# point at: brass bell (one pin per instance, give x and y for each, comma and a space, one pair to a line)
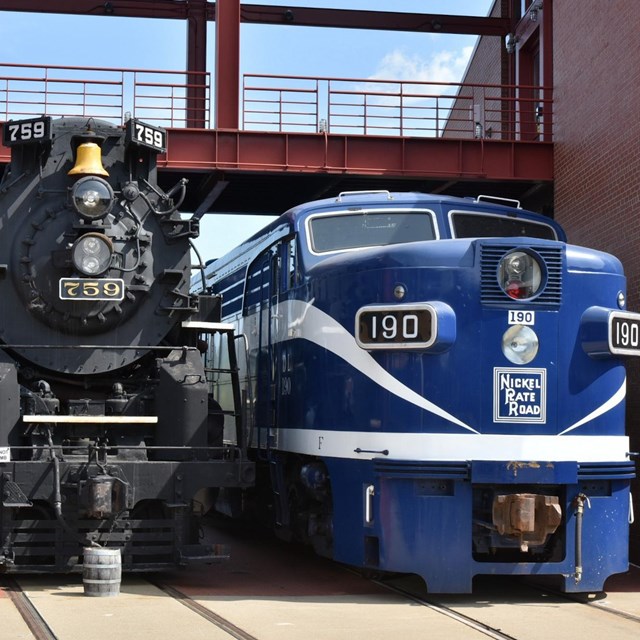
88, 161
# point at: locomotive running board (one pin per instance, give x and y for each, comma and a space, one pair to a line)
92, 419
210, 327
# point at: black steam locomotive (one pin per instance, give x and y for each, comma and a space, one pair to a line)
108, 433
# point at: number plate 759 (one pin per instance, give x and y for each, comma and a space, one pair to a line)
92, 289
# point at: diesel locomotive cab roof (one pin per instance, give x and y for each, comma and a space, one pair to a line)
442, 210
452, 217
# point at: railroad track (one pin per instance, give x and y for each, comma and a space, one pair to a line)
37, 624
522, 595
32, 618
215, 619
54, 608
434, 605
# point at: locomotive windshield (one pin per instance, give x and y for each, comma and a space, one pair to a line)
360, 229
472, 225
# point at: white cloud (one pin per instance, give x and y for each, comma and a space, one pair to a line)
408, 92
443, 66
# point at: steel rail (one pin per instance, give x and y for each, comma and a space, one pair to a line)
491, 632
36, 623
207, 614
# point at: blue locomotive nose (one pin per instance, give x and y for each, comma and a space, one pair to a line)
434, 384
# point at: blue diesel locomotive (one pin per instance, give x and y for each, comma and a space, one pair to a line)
434, 385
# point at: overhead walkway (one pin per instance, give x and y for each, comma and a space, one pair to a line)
301, 138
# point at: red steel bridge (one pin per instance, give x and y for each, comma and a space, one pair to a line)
258, 143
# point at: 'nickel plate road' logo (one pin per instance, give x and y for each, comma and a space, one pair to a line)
519, 395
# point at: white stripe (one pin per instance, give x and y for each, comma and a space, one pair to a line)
310, 323
613, 401
452, 447
61, 418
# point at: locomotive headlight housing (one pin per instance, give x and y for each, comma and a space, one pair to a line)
91, 254
520, 344
92, 197
520, 275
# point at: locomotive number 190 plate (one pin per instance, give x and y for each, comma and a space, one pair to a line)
396, 326
92, 289
624, 333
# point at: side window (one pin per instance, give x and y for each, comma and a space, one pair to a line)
290, 266
258, 281
272, 273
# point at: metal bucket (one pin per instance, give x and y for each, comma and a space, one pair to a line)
101, 571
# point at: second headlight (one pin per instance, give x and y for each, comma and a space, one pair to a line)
91, 254
520, 344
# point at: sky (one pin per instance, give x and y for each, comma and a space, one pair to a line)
103, 41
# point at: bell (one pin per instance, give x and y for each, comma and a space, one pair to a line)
88, 161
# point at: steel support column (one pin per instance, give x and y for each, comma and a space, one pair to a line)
197, 115
227, 77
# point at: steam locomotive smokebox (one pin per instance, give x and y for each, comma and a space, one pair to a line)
182, 406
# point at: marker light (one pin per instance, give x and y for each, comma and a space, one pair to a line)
91, 254
520, 344
92, 197
520, 275
399, 292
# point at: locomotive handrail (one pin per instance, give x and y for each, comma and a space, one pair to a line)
116, 347
131, 447
219, 370
488, 198
363, 193
228, 328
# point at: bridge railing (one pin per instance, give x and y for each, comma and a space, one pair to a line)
282, 103
396, 108
158, 97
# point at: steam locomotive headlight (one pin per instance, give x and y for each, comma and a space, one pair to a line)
91, 254
520, 275
520, 344
92, 197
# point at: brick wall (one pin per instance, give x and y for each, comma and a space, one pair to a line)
485, 68
597, 149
